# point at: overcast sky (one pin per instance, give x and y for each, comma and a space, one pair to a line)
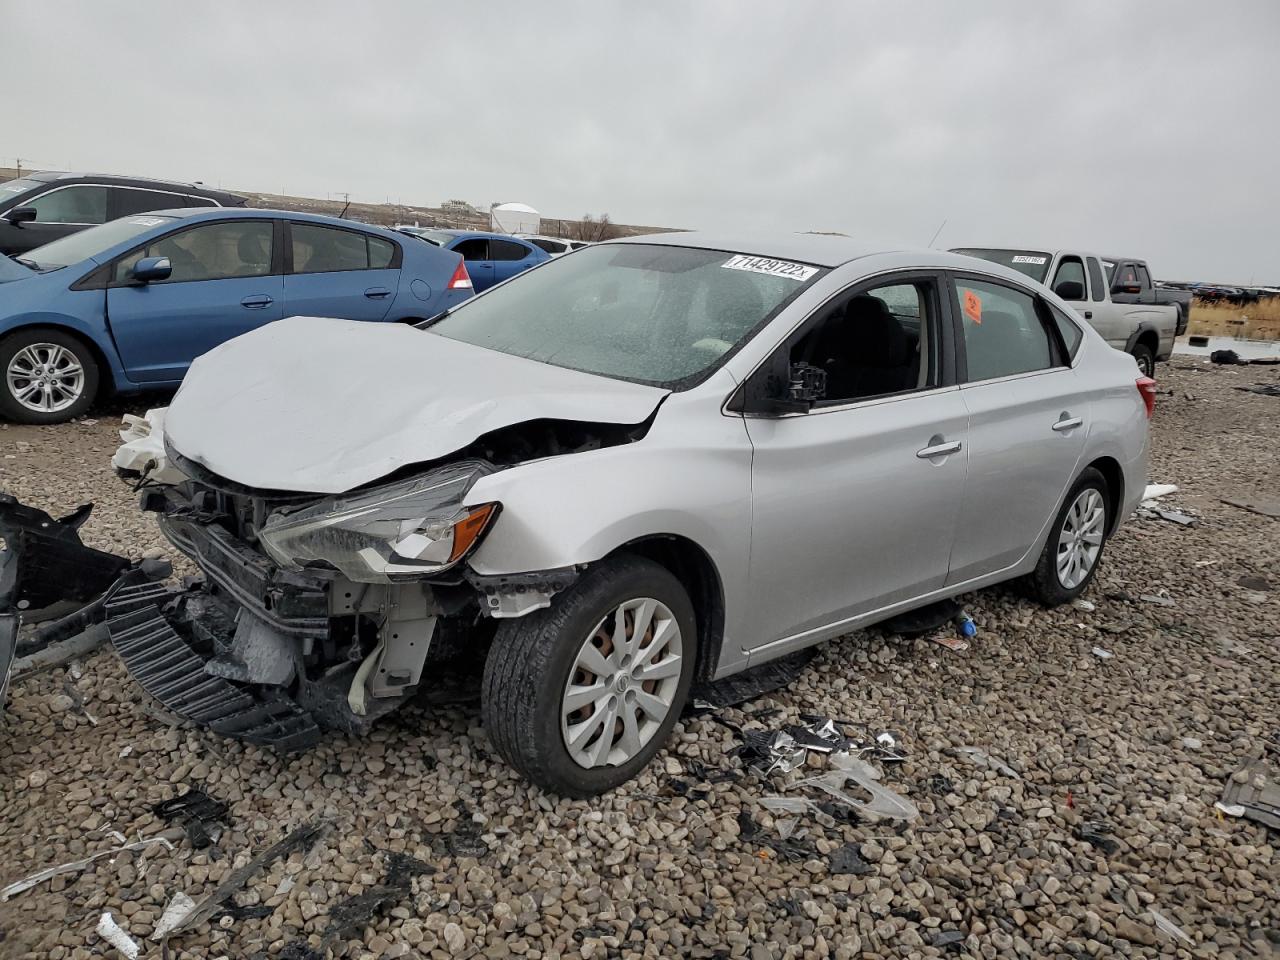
1141, 128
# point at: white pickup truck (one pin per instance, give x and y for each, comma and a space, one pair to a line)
1145, 330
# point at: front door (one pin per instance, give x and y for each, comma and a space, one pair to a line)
1028, 421
340, 273
854, 503
59, 213
224, 283
509, 258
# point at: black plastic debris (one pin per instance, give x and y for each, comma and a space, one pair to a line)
769, 751
1261, 584
748, 829
1266, 389
195, 811
848, 860
402, 868
1098, 834
465, 839
951, 939
237, 912
1254, 791
1229, 357
1262, 507
940, 785
792, 850
754, 682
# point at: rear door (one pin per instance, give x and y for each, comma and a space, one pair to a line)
335, 272
510, 258
854, 503
1028, 419
62, 211
226, 281
475, 251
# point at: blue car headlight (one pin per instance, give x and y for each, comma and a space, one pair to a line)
397, 532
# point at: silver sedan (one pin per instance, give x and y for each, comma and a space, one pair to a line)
647, 463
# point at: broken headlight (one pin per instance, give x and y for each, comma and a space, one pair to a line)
397, 532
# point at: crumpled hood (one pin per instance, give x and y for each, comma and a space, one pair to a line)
321, 405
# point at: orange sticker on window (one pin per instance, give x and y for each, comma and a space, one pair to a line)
973, 306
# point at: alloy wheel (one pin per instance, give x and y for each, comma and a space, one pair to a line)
45, 377
1080, 541
622, 684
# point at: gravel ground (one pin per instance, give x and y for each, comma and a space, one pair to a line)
1142, 741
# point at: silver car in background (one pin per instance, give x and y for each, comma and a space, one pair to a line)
659, 461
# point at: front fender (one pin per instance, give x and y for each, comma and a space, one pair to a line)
94, 330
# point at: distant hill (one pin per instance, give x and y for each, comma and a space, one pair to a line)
453, 216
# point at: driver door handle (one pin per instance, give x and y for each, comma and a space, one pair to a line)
1068, 423
257, 302
939, 450
377, 293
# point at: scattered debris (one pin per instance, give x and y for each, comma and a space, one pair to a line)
1174, 516
1267, 508
302, 838
1154, 491
1256, 788
944, 639
1229, 357
1260, 584
110, 931
948, 938
848, 860
175, 912
884, 803
770, 751
1168, 927
1101, 654
1266, 389
1158, 600
1098, 834
465, 839
981, 758
1086, 605
1230, 809
76, 866
195, 811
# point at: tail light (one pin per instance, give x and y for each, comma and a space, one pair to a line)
461, 280
1147, 388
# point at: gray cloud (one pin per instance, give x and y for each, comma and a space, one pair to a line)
1138, 128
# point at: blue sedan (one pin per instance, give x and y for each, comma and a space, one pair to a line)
129, 304
490, 257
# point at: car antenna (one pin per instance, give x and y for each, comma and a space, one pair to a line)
938, 231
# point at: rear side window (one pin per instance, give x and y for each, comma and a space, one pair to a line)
506, 250
318, 249
475, 248
129, 201
550, 246
1003, 335
1095, 279
83, 203
1143, 277
1067, 329
211, 251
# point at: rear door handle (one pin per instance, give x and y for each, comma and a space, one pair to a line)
1088, 314
257, 302
1067, 423
377, 293
938, 449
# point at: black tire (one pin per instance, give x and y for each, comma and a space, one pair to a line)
528, 667
1043, 583
1146, 358
14, 343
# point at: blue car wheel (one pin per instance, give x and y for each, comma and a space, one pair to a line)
48, 376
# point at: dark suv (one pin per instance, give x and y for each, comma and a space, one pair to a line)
41, 207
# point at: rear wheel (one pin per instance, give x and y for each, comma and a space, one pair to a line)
1146, 358
49, 376
581, 696
1073, 551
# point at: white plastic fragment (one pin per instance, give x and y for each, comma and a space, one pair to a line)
785, 804
884, 803
143, 448
1085, 605
1230, 809
983, 759
179, 907
75, 866
110, 931
1156, 490
1101, 654
1165, 925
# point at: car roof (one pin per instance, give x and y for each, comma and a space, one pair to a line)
240, 213
820, 249
50, 176
467, 234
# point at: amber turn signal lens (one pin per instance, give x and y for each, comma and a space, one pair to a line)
467, 530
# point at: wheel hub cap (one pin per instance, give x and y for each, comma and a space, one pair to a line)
1080, 541
45, 377
622, 684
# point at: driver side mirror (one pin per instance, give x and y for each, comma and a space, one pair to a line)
20, 215
150, 269
1070, 290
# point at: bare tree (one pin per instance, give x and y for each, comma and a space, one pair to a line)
591, 228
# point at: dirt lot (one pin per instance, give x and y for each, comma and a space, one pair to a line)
1142, 741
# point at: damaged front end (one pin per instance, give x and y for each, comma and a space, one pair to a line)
314, 612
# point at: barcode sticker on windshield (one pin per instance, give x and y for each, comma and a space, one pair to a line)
774, 268
148, 221
1038, 261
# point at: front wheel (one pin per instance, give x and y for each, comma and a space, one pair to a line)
1146, 360
581, 696
49, 376
1077, 538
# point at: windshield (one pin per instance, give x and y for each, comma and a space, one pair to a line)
1032, 263
91, 242
648, 313
10, 188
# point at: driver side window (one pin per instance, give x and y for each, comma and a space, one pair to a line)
880, 341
